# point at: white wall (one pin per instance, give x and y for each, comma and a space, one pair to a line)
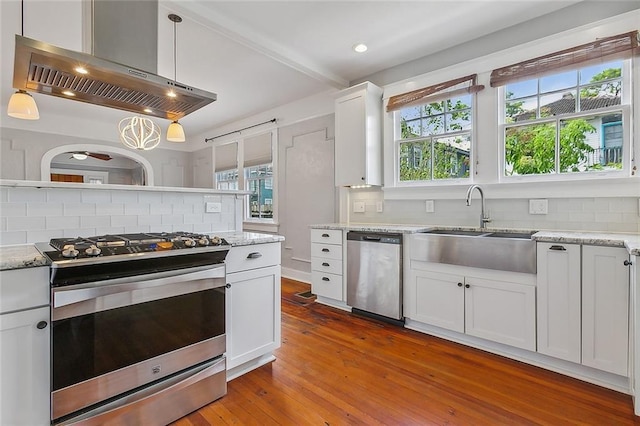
37, 214
606, 214
21, 152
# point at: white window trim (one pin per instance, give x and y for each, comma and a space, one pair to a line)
397, 183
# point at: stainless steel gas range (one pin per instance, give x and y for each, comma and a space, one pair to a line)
138, 332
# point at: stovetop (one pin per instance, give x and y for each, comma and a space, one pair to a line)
104, 257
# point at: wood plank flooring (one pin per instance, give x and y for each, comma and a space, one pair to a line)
335, 368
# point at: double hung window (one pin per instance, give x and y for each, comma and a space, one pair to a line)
248, 164
571, 117
434, 132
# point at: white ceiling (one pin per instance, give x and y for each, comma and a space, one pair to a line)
257, 55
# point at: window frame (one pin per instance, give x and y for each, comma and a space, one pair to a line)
397, 141
625, 108
242, 181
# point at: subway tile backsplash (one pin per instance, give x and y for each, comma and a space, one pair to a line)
602, 214
31, 215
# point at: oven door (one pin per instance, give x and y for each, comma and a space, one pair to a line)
112, 337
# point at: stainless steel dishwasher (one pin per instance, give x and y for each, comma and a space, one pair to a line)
374, 274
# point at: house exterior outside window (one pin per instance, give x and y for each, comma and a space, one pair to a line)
570, 122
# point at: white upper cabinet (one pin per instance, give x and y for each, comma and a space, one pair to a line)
358, 140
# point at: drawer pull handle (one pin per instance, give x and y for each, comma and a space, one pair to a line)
254, 255
559, 248
325, 235
325, 250
325, 279
325, 264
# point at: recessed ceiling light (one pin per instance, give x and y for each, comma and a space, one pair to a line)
79, 156
360, 47
68, 93
81, 70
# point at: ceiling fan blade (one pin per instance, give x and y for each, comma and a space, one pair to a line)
99, 156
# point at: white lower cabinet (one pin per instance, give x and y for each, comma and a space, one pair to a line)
327, 267
559, 300
25, 347
253, 316
491, 309
605, 309
583, 305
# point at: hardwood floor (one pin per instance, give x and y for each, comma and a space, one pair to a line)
335, 368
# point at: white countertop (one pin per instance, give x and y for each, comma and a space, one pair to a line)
27, 256
630, 241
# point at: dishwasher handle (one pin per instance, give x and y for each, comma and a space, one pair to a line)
375, 237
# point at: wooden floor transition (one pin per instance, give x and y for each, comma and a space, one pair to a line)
335, 368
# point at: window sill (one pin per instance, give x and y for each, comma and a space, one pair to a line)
611, 187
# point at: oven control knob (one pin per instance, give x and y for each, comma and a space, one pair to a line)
190, 242
69, 251
93, 251
204, 241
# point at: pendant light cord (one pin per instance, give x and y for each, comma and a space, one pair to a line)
175, 60
22, 18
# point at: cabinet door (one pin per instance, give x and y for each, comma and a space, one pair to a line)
605, 308
436, 299
24, 362
558, 283
350, 139
503, 312
252, 314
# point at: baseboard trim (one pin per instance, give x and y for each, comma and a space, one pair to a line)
294, 274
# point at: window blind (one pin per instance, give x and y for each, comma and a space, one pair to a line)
621, 46
257, 150
435, 93
227, 157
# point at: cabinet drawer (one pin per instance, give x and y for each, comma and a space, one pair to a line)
330, 266
326, 236
253, 256
326, 285
24, 288
327, 251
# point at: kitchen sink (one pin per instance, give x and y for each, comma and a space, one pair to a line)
503, 251
518, 235
457, 232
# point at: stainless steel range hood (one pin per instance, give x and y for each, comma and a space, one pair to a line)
44, 68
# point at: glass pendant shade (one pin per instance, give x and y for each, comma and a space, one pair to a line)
175, 132
139, 133
23, 106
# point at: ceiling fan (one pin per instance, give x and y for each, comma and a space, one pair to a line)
82, 155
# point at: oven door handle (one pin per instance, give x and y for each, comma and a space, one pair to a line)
63, 296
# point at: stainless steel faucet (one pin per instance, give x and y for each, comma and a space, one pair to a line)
483, 219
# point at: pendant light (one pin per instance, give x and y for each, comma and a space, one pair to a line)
139, 133
175, 132
21, 104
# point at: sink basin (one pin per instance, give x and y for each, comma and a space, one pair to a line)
503, 251
457, 232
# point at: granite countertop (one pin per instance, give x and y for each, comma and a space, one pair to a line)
28, 256
375, 227
249, 238
20, 256
630, 241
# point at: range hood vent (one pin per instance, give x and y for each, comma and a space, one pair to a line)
44, 68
